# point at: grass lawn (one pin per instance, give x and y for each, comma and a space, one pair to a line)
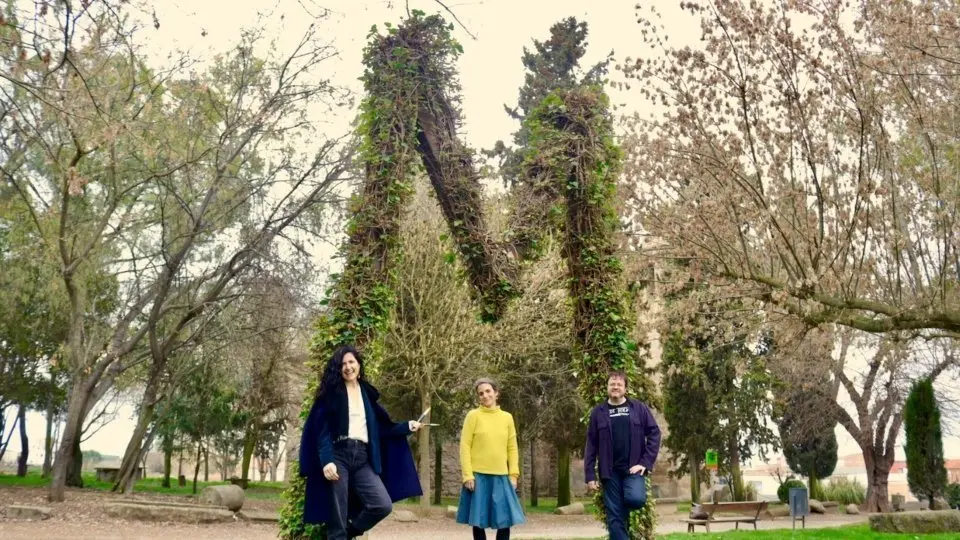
852, 532
255, 490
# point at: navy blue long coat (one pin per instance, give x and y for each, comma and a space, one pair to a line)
389, 456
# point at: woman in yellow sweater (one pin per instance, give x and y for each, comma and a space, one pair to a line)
489, 461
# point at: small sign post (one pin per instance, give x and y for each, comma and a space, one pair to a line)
711, 460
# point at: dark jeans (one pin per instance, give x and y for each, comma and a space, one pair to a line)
622, 493
480, 534
357, 477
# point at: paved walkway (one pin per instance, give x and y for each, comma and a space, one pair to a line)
557, 527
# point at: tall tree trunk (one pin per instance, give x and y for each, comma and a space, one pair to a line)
131, 456
249, 445
534, 496
275, 460
813, 485
64, 464
48, 442
206, 465
5, 443
24, 443
75, 472
167, 444
437, 471
3, 427
196, 468
563, 474
84, 394
66, 470
423, 446
878, 475
694, 473
736, 475
524, 494
140, 465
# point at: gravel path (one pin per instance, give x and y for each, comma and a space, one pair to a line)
82, 517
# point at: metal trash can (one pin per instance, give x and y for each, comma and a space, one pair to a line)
799, 506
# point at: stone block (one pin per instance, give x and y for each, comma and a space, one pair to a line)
230, 497
258, 516
17, 511
405, 516
164, 514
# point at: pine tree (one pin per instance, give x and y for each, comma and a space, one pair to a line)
809, 441
553, 64
926, 474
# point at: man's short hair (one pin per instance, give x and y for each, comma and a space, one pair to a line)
617, 374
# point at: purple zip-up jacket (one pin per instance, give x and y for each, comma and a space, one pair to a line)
644, 440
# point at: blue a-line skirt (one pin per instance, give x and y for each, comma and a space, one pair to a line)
493, 504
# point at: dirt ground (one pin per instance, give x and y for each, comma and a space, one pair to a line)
82, 517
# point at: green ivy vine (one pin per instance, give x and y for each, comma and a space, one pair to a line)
410, 111
571, 142
363, 295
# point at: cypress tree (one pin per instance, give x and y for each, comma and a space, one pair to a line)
926, 474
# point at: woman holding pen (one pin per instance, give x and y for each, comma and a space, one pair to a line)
489, 460
355, 459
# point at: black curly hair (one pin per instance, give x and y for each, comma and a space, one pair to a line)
332, 380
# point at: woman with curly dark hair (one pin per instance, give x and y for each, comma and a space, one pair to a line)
356, 459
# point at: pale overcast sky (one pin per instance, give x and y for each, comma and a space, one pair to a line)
490, 73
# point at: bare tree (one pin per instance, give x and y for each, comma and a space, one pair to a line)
160, 189
801, 159
871, 377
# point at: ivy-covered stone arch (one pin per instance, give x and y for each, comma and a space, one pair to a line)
409, 122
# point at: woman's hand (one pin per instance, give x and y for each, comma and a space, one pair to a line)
513, 482
470, 485
330, 472
414, 426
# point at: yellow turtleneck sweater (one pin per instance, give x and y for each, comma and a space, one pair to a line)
488, 443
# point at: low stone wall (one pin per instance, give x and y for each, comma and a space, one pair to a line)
546, 463
938, 521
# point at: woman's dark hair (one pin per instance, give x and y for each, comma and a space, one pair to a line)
332, 380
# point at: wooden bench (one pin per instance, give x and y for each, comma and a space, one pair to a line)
109, 473
752, 509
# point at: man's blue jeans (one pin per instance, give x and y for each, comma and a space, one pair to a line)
622, 494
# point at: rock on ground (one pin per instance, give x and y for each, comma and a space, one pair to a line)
575, 509
140, 512
405, 516
17, 511
228, 496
